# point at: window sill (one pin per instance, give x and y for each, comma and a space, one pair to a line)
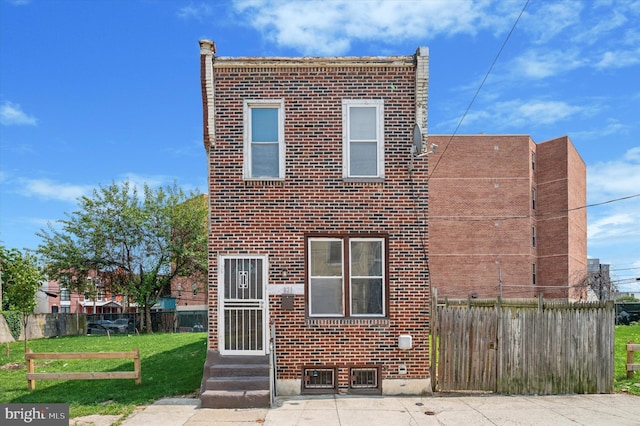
263, 182
352, 320
372, 180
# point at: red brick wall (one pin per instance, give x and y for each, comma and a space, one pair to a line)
479, 215
563, 175
480, 211
271, 218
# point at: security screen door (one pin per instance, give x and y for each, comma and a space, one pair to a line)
242, 290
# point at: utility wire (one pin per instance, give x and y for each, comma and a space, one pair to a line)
475, 95
497, 218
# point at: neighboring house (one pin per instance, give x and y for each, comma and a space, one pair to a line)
190, 293
507, 217
318, 233
186, 294
100, 301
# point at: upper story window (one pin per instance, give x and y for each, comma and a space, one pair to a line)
264, 155
363, 138
533, 198
65, 295
347, 277
533, 236
533, 160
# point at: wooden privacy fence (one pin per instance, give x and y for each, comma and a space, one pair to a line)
631, 367
32, 375
524, 346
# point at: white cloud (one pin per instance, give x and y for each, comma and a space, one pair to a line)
546, 20
544, 112
619, 59
526, 114
196, 11
615, 178
329, 27
613, 126
617, 222
613, 226
48, 189
538, 64
606, 20
12, 114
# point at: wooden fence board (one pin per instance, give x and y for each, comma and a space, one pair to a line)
32, 376
534, 348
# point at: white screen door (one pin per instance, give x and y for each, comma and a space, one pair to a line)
242, 290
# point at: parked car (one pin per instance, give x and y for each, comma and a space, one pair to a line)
105, 325
127, 322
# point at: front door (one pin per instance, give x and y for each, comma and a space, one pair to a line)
242, 293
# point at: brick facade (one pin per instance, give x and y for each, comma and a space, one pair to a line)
274, 218
482, 218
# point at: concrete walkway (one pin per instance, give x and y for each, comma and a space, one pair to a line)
615, 409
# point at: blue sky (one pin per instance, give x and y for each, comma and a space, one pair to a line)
93, 92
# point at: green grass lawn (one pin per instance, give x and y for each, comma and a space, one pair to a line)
625, 333
171, 365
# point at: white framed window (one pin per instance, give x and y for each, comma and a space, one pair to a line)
347, 277
363, 138
264, 148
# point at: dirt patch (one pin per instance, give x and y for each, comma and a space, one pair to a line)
12, 366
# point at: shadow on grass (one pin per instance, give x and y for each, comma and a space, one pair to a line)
171, 373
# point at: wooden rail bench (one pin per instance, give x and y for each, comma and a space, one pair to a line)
32, 375
631, 367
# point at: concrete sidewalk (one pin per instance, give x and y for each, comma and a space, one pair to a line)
338, 410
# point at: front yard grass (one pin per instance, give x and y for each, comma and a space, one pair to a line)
171, 365
625, 333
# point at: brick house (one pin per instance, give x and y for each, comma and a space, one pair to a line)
506, 217
318, 236
100, 301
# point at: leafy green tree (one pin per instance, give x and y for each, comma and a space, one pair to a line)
132, 244
21, 280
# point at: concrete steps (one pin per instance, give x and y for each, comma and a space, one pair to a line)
235, 382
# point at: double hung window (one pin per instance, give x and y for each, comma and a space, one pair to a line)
264, 150
347, 277
363, 138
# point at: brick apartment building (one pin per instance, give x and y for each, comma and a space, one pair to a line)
506, 217
317, 251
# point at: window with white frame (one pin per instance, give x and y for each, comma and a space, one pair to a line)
347, 276
65, 295
264, 150
363, 138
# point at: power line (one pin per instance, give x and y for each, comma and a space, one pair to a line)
475, 95
592, 205
497, 218
622, 269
